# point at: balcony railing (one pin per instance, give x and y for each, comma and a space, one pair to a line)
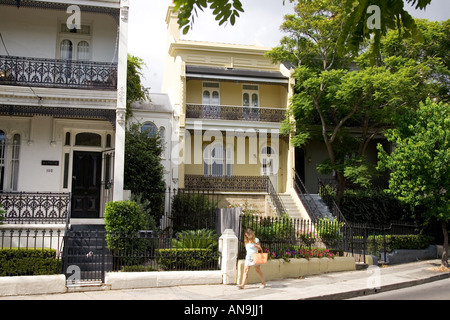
202, 111
35, 207
53, 73
234, 183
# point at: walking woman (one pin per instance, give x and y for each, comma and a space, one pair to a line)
251, 246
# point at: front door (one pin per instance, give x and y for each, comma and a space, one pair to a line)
86, 184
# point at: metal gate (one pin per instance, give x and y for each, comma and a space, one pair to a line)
86, 257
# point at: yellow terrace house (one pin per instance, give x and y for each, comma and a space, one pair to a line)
231, 101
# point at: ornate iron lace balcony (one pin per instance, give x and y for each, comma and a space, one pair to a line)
234, 183
53, 73
35, 207
201, 111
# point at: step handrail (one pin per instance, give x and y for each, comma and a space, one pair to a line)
331, 204
275, 198
305, 197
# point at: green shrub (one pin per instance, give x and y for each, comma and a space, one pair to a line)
417, 241
195, 239
269, 228
329, 232
192, 211
394, 242
20, 262
186, 259
368, 206
123, 220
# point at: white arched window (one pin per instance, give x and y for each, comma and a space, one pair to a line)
83, 50
66, 50
151, 129
211, 95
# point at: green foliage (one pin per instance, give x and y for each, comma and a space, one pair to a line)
374, 206
307, 237
269, 229
393, 16
123, 219
21, 262
395, 242
144, 173
223, 10
312, 33
186, 259
146, 209
135, 90
195, 239
432, 51
192, 210
329, 231
420, 164
332, 97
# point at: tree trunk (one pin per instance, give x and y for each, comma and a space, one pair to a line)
444, 260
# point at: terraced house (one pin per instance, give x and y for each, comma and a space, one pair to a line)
62, 107
231, 101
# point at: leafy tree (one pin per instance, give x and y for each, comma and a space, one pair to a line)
223, 10
420, 164
355, 28
431, 51
332, 96
312, 33
144, 172
135, 90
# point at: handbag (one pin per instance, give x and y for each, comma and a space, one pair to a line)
260, 257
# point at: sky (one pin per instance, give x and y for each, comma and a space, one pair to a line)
259, 23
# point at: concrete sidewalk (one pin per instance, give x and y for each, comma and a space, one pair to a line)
339, 285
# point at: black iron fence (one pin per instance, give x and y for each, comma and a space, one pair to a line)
281, 235
30, 251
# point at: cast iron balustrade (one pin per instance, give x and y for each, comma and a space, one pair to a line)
35, 207
203, 111
234, 183
53, 73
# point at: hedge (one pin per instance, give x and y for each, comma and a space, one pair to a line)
186, 259
394, 242
22, 262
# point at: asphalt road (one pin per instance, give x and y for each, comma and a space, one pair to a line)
436, 290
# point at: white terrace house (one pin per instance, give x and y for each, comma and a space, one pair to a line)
62, 104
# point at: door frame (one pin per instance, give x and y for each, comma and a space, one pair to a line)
69, 130
98, 176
